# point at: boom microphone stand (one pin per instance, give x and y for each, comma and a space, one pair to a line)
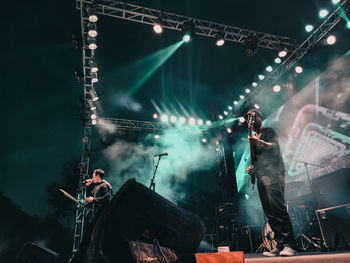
152, 186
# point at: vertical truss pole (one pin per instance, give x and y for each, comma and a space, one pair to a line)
85, 157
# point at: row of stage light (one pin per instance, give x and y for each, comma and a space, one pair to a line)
282, 53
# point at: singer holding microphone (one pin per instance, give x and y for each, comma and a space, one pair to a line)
99, 193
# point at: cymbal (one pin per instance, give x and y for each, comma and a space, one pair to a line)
294, 184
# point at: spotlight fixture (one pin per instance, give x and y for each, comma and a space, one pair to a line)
229, 130
309, 28
221, 117
261, 77
93, 116
155, 116
247, 91
278, 60
323, 13
225, 113
158, 26
229, 107
269, 68
94, 78
254, 84
241, 97
251, 44
220, 39
92, 29
335, 2
331, 40
298, 69
276, 88
91, 104
94, 122
93, 95
188, 28
91, 12
200, 122
348, 25
191, 121
156, 136
164, 118
182, 120
93, 66
173, 119
241, 119
208, 123
235, 102
282, 52
204, 140
91, 43
256, 106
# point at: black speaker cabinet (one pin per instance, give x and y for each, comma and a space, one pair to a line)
334, 224
34, 253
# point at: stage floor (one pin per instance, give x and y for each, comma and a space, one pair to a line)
312, 257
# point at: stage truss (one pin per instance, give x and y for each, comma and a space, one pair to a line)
144, 15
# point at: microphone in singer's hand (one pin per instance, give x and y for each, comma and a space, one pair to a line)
162, 154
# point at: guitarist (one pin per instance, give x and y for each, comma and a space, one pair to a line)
268, 169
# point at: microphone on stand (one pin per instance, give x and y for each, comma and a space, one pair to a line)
162, 154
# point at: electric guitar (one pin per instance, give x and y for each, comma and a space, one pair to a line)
251, 120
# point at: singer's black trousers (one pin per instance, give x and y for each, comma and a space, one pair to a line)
271, 192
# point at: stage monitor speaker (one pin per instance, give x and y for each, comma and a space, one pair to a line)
34, 253
332, 189
137, 213
334, 224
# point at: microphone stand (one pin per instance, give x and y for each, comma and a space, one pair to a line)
153, 184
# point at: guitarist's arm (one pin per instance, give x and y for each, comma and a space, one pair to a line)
260, 143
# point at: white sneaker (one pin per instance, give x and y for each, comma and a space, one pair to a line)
288, 252
273, 253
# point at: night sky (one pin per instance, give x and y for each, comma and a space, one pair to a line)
41, 126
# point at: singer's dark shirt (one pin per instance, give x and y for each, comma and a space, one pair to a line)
102, 193
269, 162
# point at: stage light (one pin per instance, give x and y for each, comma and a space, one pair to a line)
348, 24
93, 95
298, 69
261, 77
188, 29
331, 40
220, 39
256, 106
91, 12
157, 28
186, 38
278, 60
92, 29
235, 102
276, 88
173, 119
204, 140
309, 28
251, 44
91, 104
269, 69
335, 2
217, 142
208, 123
241, 119
93, 65
282, 52
191, 121
94, 78
229, 107
225, 113
93, 116
241, 97
182, 120
254, 84
323, 13
156, 136
229, 130
164, 118
155, 116
200, 122
94, 122
247, 91
91, 43
221, 117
